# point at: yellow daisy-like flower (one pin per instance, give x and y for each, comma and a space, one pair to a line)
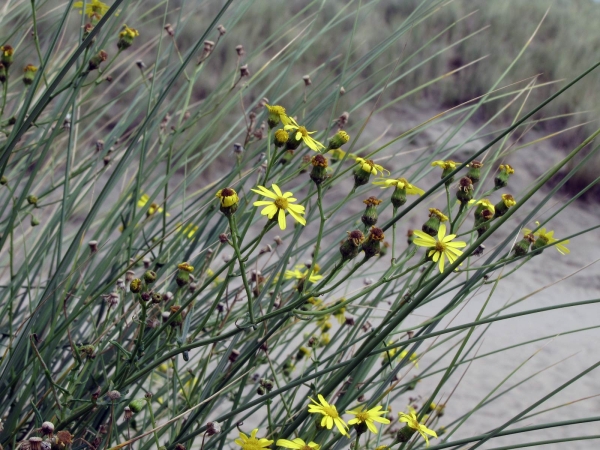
297, 444
506, 168
546, 237
281, 203
445, 165
368, 417
277, 110
189, 230
129, 32
92, 7
441, 248
487, 205
330, 414
370, 167
299, 275
413, 422
400, 183
304, 134
252, 442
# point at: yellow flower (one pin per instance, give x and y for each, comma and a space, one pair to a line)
413, 358
129, 32
189, 230
279, 111
413, 422
186, 267
299, 275
442, 247
368, 417
508, 200
281, 203
153, 208
400, 183
487, 205
92, 7
445, 165
304, 134
545, 237
330, 414
370, 167
228, 197
297, 444
507, 169
389, 353
252, 443
210, 273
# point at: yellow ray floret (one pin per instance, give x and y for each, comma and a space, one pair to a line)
548, 237
368, 417
330, 414
400, 183
440, 248
412, 421
279, 204
304, 134
252, 442
297, 444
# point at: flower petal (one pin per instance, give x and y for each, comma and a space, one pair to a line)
277, 190
281, 219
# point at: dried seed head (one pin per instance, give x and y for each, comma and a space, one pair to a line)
213, 428
278, 240
238, 149
221, 29
35, 443
129, 275
307, 81
233, 356
244, 72
113, 299
180, 447
223, 239
93, 246
140, 64
208, 47
127, 413
169, 29
113, 395
266, 249
47, 428
147, 261
342, 90
240, 50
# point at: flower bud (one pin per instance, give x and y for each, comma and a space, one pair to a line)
319, 171
351, 246
369, 217
126, 37
97, 59
6, 56
157, 298
137, 405
286, 157
149, 276
501, 180
280, 138
474, 173
361, 176
293, 143
338, 139
135, 286
465, 190
522, 247
502, 207
260, 390
32, 200
483, 205
34, 222
373, 242
3, 180
303, 352
228, 200
432, 225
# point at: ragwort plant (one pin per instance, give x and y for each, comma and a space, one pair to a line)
181, 273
